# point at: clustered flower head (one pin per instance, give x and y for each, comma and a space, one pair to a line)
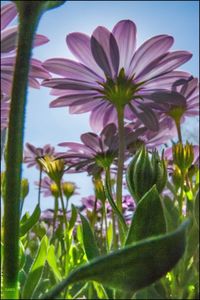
111, 74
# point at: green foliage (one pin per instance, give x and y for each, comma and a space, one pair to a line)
133, 267
148, 219
196, 209
89, 241
36, 270
171, 213
28, 223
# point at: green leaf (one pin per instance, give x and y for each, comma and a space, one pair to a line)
171, 213
89, 241
147, 293
53, 4
133, 267
73, 217
22, 256
30, 222
51, 259
110, 235
113, 205
196, 209
36, 269
148, 219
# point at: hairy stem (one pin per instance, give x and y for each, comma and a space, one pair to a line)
14, 158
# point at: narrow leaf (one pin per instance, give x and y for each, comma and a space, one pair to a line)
51, 259
36, 269
171, 213
30, 222
148, 219
73, 217
133, 267
89, 242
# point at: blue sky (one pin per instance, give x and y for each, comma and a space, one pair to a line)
45, 125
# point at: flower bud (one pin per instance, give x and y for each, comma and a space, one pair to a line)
143, 173
183, 156
24, 188
99, 189
177, 176
54, 190
68, 189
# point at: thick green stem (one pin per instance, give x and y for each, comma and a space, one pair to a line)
120, 115
14, 158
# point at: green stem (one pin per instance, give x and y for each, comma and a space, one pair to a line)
55, 213
120, 115
178, 128
63, 206
106, 227
15, 154
39, 189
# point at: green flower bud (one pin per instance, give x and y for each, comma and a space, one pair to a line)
54, 190
99, 189
68, 189
177, 176
183, 156
143, 173
24, 188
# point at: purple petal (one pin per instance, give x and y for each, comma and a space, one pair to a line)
37, 70
97, 116
83, 108
9, 39
40, 40
125, 35
147, 116
148, 51
71, 84
68, 100
73, 146
166, 81
79, 45
105, 51
91, 140
8, 13
167, 64
70, 69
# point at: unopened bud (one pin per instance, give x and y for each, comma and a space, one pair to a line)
54, 190
143, 173
183, 156
24, 188
177, 176
99, 189
68, 189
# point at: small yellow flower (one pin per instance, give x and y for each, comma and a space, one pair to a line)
54, 168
